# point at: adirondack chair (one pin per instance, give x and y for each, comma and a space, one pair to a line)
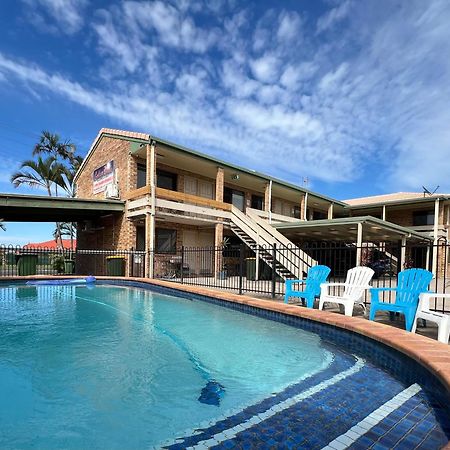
356, 283
316, 276
410, 284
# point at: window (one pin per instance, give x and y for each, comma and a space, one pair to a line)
166, 180
296, 212
166, 240
421, 218
140, 238
257, 202
141, 175
234, 197
319, 215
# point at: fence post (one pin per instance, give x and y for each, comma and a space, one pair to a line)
274, 273
182, 264
241, 267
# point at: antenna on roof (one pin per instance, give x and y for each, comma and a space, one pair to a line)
428, 192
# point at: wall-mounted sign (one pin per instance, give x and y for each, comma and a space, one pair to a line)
102, 177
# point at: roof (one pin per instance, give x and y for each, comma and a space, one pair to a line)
143, 137
397, 197
37, 208
51, 245
346, 227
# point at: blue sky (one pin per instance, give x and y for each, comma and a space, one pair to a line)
354, 95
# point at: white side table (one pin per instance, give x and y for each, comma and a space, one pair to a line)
441, 319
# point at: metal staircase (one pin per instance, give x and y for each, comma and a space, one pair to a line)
262, 238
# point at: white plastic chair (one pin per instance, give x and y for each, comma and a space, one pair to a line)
356, 283
442, 320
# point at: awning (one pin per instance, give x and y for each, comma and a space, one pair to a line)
346, 229
35, 208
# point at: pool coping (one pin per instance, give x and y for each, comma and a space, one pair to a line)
433, 355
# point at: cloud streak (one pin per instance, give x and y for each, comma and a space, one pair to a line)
330, 98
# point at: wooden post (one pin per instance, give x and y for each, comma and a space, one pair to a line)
306, 206
402, 254
330, 211
435, 237
359, 244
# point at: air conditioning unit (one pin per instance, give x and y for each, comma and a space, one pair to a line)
112, 190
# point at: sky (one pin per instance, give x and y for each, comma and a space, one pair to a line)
352, 95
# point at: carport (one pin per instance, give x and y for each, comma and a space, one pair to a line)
357, 230
35, 208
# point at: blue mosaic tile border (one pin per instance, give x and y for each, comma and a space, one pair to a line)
394, 362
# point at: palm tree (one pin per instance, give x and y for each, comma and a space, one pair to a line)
66, 229
2, 225
43, 173
49, 143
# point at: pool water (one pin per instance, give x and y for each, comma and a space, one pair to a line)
121, 367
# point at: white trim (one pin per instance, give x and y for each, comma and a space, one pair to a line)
350, 436
285, 404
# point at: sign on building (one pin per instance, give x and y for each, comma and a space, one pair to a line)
102, 177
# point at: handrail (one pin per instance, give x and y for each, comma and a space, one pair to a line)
240, 219
281, 239
189, 198
178, 197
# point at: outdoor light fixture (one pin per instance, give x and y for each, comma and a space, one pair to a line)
235, 176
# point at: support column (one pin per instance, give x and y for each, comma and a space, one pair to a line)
435, 237
268, 200
302, 207
402, 253
150, 209
218, 234
359, 240
306, 207
330, 211
383, 213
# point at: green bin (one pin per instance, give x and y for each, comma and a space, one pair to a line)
69, 267
115, 266
26, 265
250, 268
10, 259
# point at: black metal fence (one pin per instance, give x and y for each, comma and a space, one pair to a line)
239, 268
23, 261
244, 270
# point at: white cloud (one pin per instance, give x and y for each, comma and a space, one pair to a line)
362, 102
266, 68
53, 15
334, 16
289, 27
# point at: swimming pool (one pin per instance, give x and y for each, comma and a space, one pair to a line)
125, 367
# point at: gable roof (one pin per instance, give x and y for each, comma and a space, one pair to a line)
396, 197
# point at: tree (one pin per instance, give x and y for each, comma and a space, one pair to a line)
2, 225
43, 173
66, 229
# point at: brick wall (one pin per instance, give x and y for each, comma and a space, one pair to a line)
112, 232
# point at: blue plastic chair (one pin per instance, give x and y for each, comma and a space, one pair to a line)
316, 276
411, 283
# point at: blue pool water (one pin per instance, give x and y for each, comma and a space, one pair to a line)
120, 367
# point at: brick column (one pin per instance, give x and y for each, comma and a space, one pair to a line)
303, 207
